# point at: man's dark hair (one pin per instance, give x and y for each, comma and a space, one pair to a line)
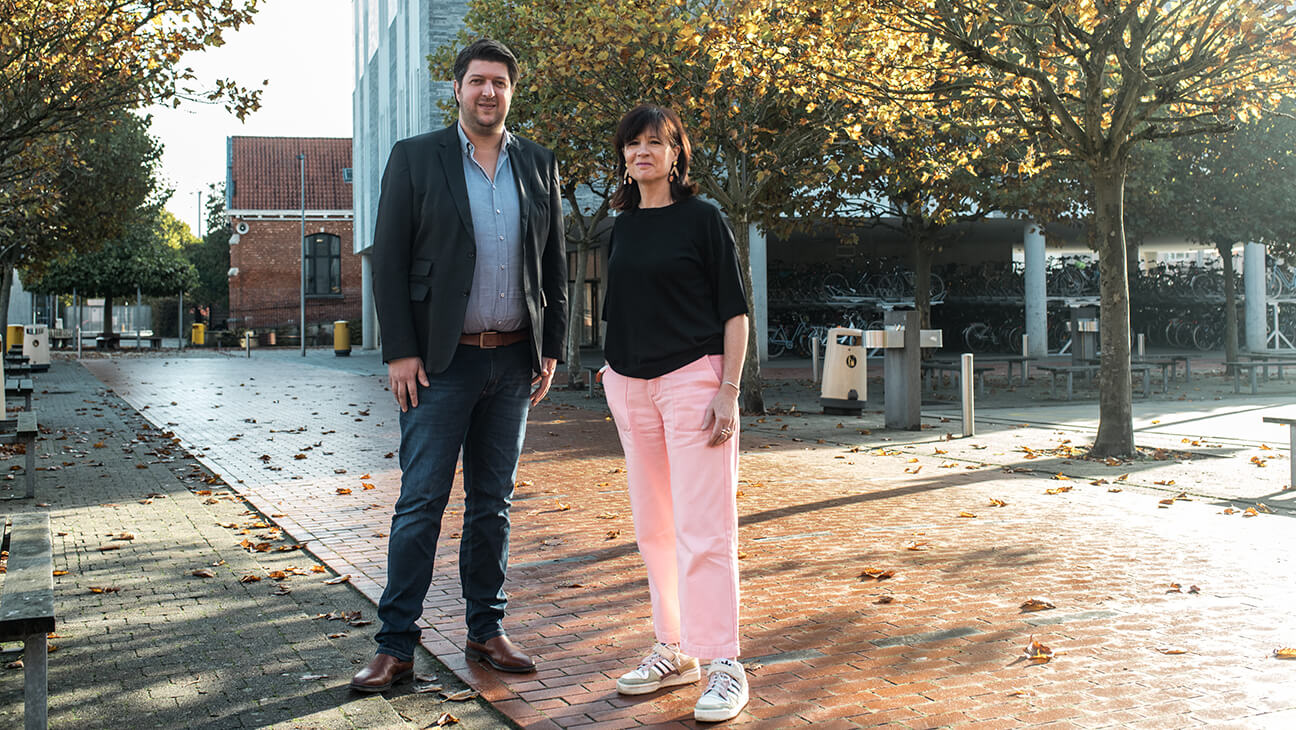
486, 49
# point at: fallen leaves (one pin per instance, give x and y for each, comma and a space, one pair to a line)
994, 502
104, 589
203, 573
876, 574
1171, 650
350, 618
1037, 652
462, 695
967, 515
1036, 604
916, 545
339, 579
446, 719
1285, 653
1058, 490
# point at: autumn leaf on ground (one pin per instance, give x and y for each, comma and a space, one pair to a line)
104, 589
313, 677
966, 514
1265, 447
339, 579
1122, 477
343, 490
1037, 652
318, 569
1174, 588
1057, 490
1285, 653
250, 578
364, 485
203, 573
916, 545
1098, 482
1194, 589
462, 695
1061, 477
612, 534
1114, 489
884, 600
997, 502
446, 719
423, 689
876, 574
913, 470
1166, 502
1171, 650
1165, 482
1036, 604
608, 516
1021, 693
1250, 512
278, 575
562, 506
57, 573
1258, 461
105, 548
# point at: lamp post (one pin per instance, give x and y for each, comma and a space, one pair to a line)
301, 168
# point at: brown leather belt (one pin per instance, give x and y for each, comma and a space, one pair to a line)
488, 340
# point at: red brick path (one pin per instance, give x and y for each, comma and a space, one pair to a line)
947, 650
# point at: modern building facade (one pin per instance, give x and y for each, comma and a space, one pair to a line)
394, 98
265, 206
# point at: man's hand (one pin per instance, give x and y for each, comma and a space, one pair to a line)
541, 382
404, 375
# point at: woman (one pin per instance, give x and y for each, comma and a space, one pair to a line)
676, 335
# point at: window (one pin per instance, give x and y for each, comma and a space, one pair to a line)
323, 265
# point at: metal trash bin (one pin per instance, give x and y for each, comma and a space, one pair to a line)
36, 344
198, 334
845, 374
13, 338
341, 338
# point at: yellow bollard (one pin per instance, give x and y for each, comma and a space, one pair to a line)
14, 336
198, 334
341, 338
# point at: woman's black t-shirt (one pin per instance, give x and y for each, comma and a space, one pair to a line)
673, 282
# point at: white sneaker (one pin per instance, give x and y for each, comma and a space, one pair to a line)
663, 667
726, 692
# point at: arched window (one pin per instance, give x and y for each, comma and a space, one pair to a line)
323, 265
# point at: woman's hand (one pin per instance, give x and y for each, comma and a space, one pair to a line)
722, 415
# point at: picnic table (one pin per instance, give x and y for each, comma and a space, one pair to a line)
20, 388
23, 430
931, 368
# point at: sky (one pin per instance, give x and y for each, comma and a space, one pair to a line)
305, 49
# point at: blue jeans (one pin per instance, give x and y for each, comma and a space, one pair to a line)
479, 404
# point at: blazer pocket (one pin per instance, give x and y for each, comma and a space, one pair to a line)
420, 267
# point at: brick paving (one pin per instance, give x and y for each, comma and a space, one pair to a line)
141, 641
824, 498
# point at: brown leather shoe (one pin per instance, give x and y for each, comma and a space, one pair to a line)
500, 653
381, 673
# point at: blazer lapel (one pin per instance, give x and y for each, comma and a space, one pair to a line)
452, 166
521, 174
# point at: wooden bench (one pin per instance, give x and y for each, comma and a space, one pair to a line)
1011, 361
932, 367
21, 364
61, 339
1290, 423
1172, 362
1271, 359
27, 607
1069, 372
22, 430
1251, 368
19, 388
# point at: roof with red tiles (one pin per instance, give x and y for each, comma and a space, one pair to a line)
263, 173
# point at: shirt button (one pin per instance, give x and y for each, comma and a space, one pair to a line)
501, 295
467, 291
472, 254
501, 238
498, 212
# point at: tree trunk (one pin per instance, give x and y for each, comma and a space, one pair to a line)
922, 265
1115, 414
6, 288
753, 400
1230, 303
107, 323
576, 316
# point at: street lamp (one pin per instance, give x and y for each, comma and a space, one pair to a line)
301, 169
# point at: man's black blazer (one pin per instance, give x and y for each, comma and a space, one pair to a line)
424, 250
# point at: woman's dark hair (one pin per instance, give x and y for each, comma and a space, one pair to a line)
486, 49
667, 124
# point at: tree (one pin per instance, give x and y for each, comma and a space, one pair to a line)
1082, 80
588, 62
65, 65
1230, 189
210, 256
105, 177
146, 259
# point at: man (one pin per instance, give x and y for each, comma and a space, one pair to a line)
470, 280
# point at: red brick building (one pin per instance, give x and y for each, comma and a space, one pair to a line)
263, 201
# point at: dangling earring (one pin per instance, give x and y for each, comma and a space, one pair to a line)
628, 180
674, 171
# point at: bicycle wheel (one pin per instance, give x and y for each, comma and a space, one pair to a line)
777, 342
978, 337
936, 288
836, 285
1274, 283
1206, 337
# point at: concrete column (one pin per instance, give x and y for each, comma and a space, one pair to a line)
368, 315
756, 245
1253, 276
1036, 294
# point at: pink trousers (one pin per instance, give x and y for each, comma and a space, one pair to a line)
683, 495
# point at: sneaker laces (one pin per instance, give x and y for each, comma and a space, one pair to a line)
723, 686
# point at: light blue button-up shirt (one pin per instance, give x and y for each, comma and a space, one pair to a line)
497, 302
